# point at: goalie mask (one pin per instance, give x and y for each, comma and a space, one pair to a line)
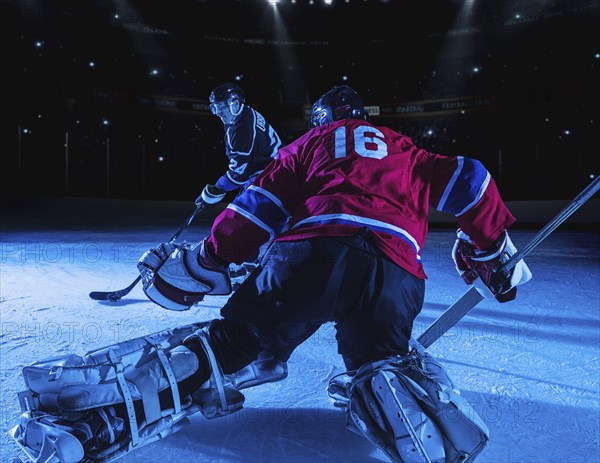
227, 102
341, 102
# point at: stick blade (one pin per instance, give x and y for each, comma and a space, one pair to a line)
114, 295
105, 296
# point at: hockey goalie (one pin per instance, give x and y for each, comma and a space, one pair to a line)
345, 206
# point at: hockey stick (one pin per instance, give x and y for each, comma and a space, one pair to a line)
116, 295
472, 297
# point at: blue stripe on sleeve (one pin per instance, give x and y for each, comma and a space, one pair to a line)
224, 183
265, 207
465, 188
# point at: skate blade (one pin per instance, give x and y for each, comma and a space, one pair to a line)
40, 443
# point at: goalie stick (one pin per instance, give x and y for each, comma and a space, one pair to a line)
473, 296
116, 295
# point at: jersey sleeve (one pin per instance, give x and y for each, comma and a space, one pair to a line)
465, 188
259, 213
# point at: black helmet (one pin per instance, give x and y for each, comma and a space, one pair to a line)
341, 102
225, 91
227, 102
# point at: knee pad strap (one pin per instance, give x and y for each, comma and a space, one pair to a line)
133, 425
216, 378
220, 397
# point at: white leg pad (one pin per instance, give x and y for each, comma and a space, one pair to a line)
384, 409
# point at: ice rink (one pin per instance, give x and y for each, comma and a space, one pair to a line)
530, 367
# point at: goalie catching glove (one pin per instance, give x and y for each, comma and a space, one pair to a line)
176, 276
484, 265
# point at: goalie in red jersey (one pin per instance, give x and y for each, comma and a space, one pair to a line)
346, 207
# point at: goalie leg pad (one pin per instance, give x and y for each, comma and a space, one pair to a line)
464, 434
78, 397
382, 407
141, 367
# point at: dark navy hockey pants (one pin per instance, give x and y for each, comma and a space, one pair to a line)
299, 285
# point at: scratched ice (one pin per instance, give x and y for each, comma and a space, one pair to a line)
530, 368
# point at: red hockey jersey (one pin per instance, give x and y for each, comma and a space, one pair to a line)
349, 174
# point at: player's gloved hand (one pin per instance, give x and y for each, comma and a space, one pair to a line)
482, 265
185, 277
210, 195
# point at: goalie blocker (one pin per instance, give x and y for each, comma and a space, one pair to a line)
484, 268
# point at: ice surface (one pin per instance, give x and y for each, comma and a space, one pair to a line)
530, 367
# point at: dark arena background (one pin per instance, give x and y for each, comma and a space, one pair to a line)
109, 98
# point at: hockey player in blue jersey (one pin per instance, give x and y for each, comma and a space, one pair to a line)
251, 142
